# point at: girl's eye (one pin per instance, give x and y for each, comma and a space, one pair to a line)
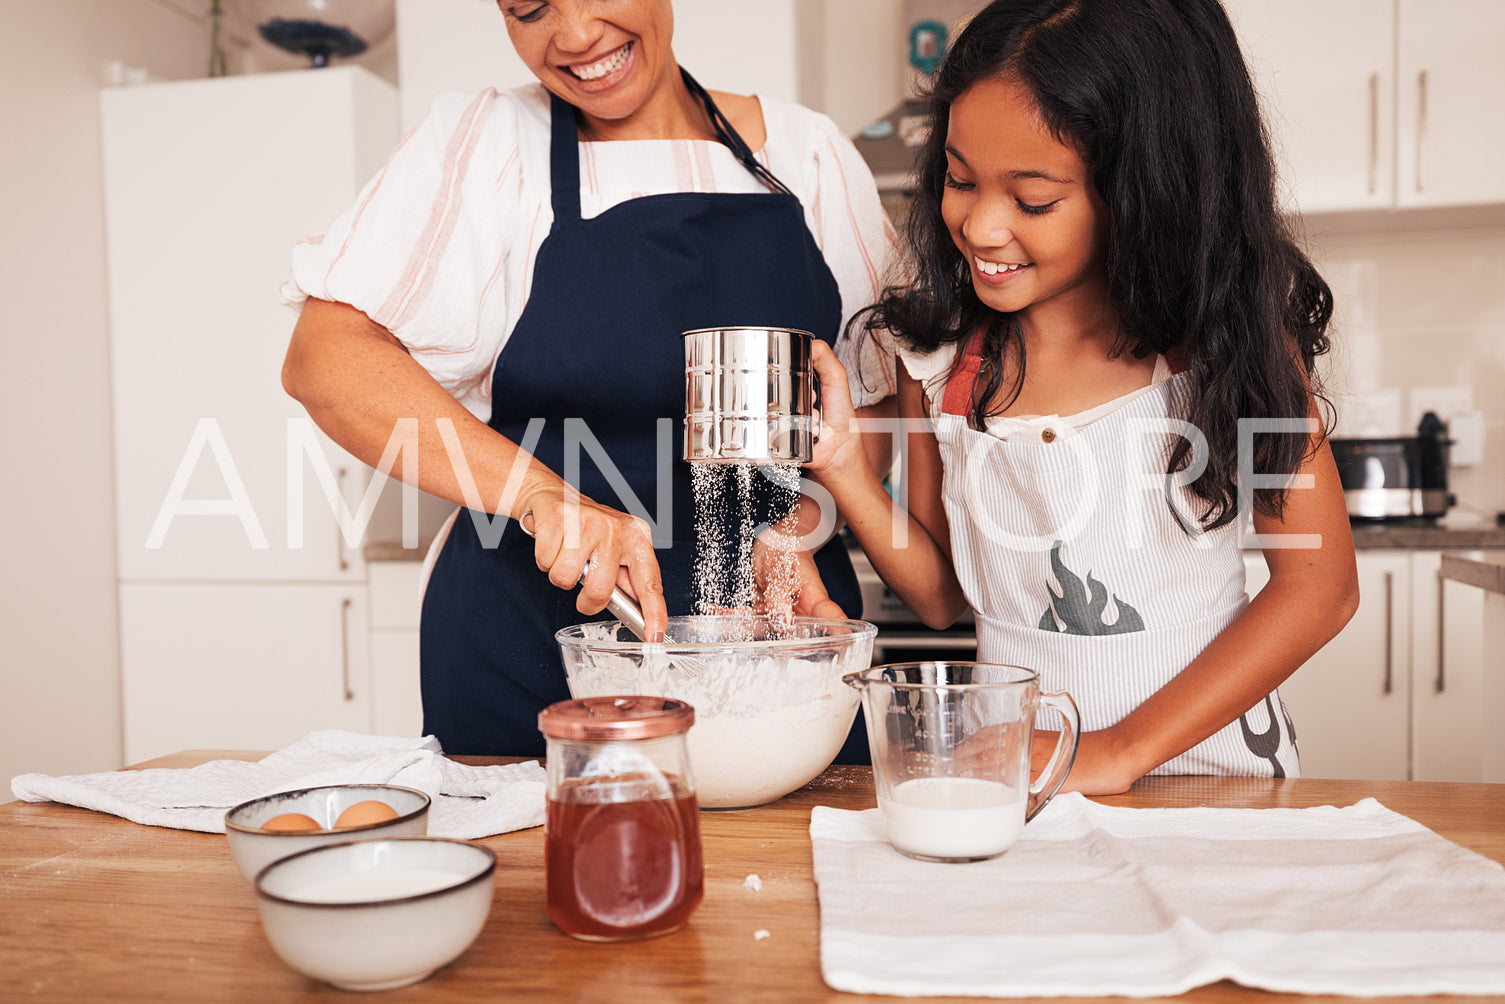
960, 186
1032, 210
526, 13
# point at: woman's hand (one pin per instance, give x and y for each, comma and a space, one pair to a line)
573, 533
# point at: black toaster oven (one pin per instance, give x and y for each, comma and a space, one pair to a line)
1396, 478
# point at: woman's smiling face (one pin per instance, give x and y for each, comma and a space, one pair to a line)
605, 57
1020, 204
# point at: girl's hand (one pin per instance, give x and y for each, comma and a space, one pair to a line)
837, 447
786, 581
1099, 769
572, 532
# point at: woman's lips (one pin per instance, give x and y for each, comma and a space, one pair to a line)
600, 74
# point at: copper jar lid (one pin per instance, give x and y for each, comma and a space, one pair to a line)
608, 719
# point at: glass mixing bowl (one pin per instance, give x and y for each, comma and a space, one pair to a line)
771, 711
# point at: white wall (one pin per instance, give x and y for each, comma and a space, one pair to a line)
852, 58
451, 45
745, 48
60, 670
1419, 317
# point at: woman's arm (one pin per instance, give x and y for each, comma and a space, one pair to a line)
358, 381
1312, 593
919, 570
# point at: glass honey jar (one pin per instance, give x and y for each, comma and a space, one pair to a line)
622, 855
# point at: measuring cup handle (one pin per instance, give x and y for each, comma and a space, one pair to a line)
1063, 756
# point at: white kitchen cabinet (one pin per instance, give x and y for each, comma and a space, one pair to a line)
1493, 705
226, 666
1325, 70
208, 185
1399, 693
1447, 675
243, 617
1449, 79
395, 607
1377, 104
1350, 701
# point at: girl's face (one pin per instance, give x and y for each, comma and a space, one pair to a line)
1020, 205
605, 57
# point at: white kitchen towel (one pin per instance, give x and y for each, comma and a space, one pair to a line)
468, 802
1096, 900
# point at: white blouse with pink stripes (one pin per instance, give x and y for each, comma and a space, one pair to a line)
439, 247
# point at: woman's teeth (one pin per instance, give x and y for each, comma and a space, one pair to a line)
993, 267
601, 67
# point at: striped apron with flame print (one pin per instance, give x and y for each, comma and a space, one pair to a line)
1070, 551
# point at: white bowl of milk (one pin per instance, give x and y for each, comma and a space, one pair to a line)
376, 914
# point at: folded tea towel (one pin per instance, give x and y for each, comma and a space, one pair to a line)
1096, 900
468, 802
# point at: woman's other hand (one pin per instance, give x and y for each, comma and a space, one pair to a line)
572, 532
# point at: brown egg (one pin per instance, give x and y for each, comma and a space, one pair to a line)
290, 822
365, 814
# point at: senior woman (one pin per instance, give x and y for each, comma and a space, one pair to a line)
517, 279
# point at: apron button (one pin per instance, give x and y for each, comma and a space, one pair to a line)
1048, 435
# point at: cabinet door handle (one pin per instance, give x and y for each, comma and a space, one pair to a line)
339, 534
1421, 129
1374, 133
1442, 644
1389, 632
345, 648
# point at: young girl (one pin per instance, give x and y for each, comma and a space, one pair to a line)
1103, 297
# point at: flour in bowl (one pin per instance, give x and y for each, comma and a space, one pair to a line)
766, 721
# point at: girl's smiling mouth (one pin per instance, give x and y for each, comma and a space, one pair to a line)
998, 271
601, 72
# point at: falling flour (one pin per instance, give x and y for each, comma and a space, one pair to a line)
727, 500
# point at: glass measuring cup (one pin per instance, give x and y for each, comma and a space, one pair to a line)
951, 745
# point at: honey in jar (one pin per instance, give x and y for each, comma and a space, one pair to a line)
622, 843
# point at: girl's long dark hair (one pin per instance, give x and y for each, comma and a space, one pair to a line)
1155, 97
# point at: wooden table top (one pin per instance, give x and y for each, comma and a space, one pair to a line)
93, 907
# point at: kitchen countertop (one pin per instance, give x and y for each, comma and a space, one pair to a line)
1486, 571
1426, 537
94, 907
392, 550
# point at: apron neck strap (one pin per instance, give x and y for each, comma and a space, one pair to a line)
564, 159
564, 150
730, 137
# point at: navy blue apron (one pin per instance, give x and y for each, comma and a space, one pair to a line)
598, 353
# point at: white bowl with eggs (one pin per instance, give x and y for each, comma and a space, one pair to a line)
264, 829
376, 914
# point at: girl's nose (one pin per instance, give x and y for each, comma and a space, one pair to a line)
987, 227
579, 28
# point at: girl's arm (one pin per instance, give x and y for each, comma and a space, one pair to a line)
919, 571
358, 381
1311, 595
774, 553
